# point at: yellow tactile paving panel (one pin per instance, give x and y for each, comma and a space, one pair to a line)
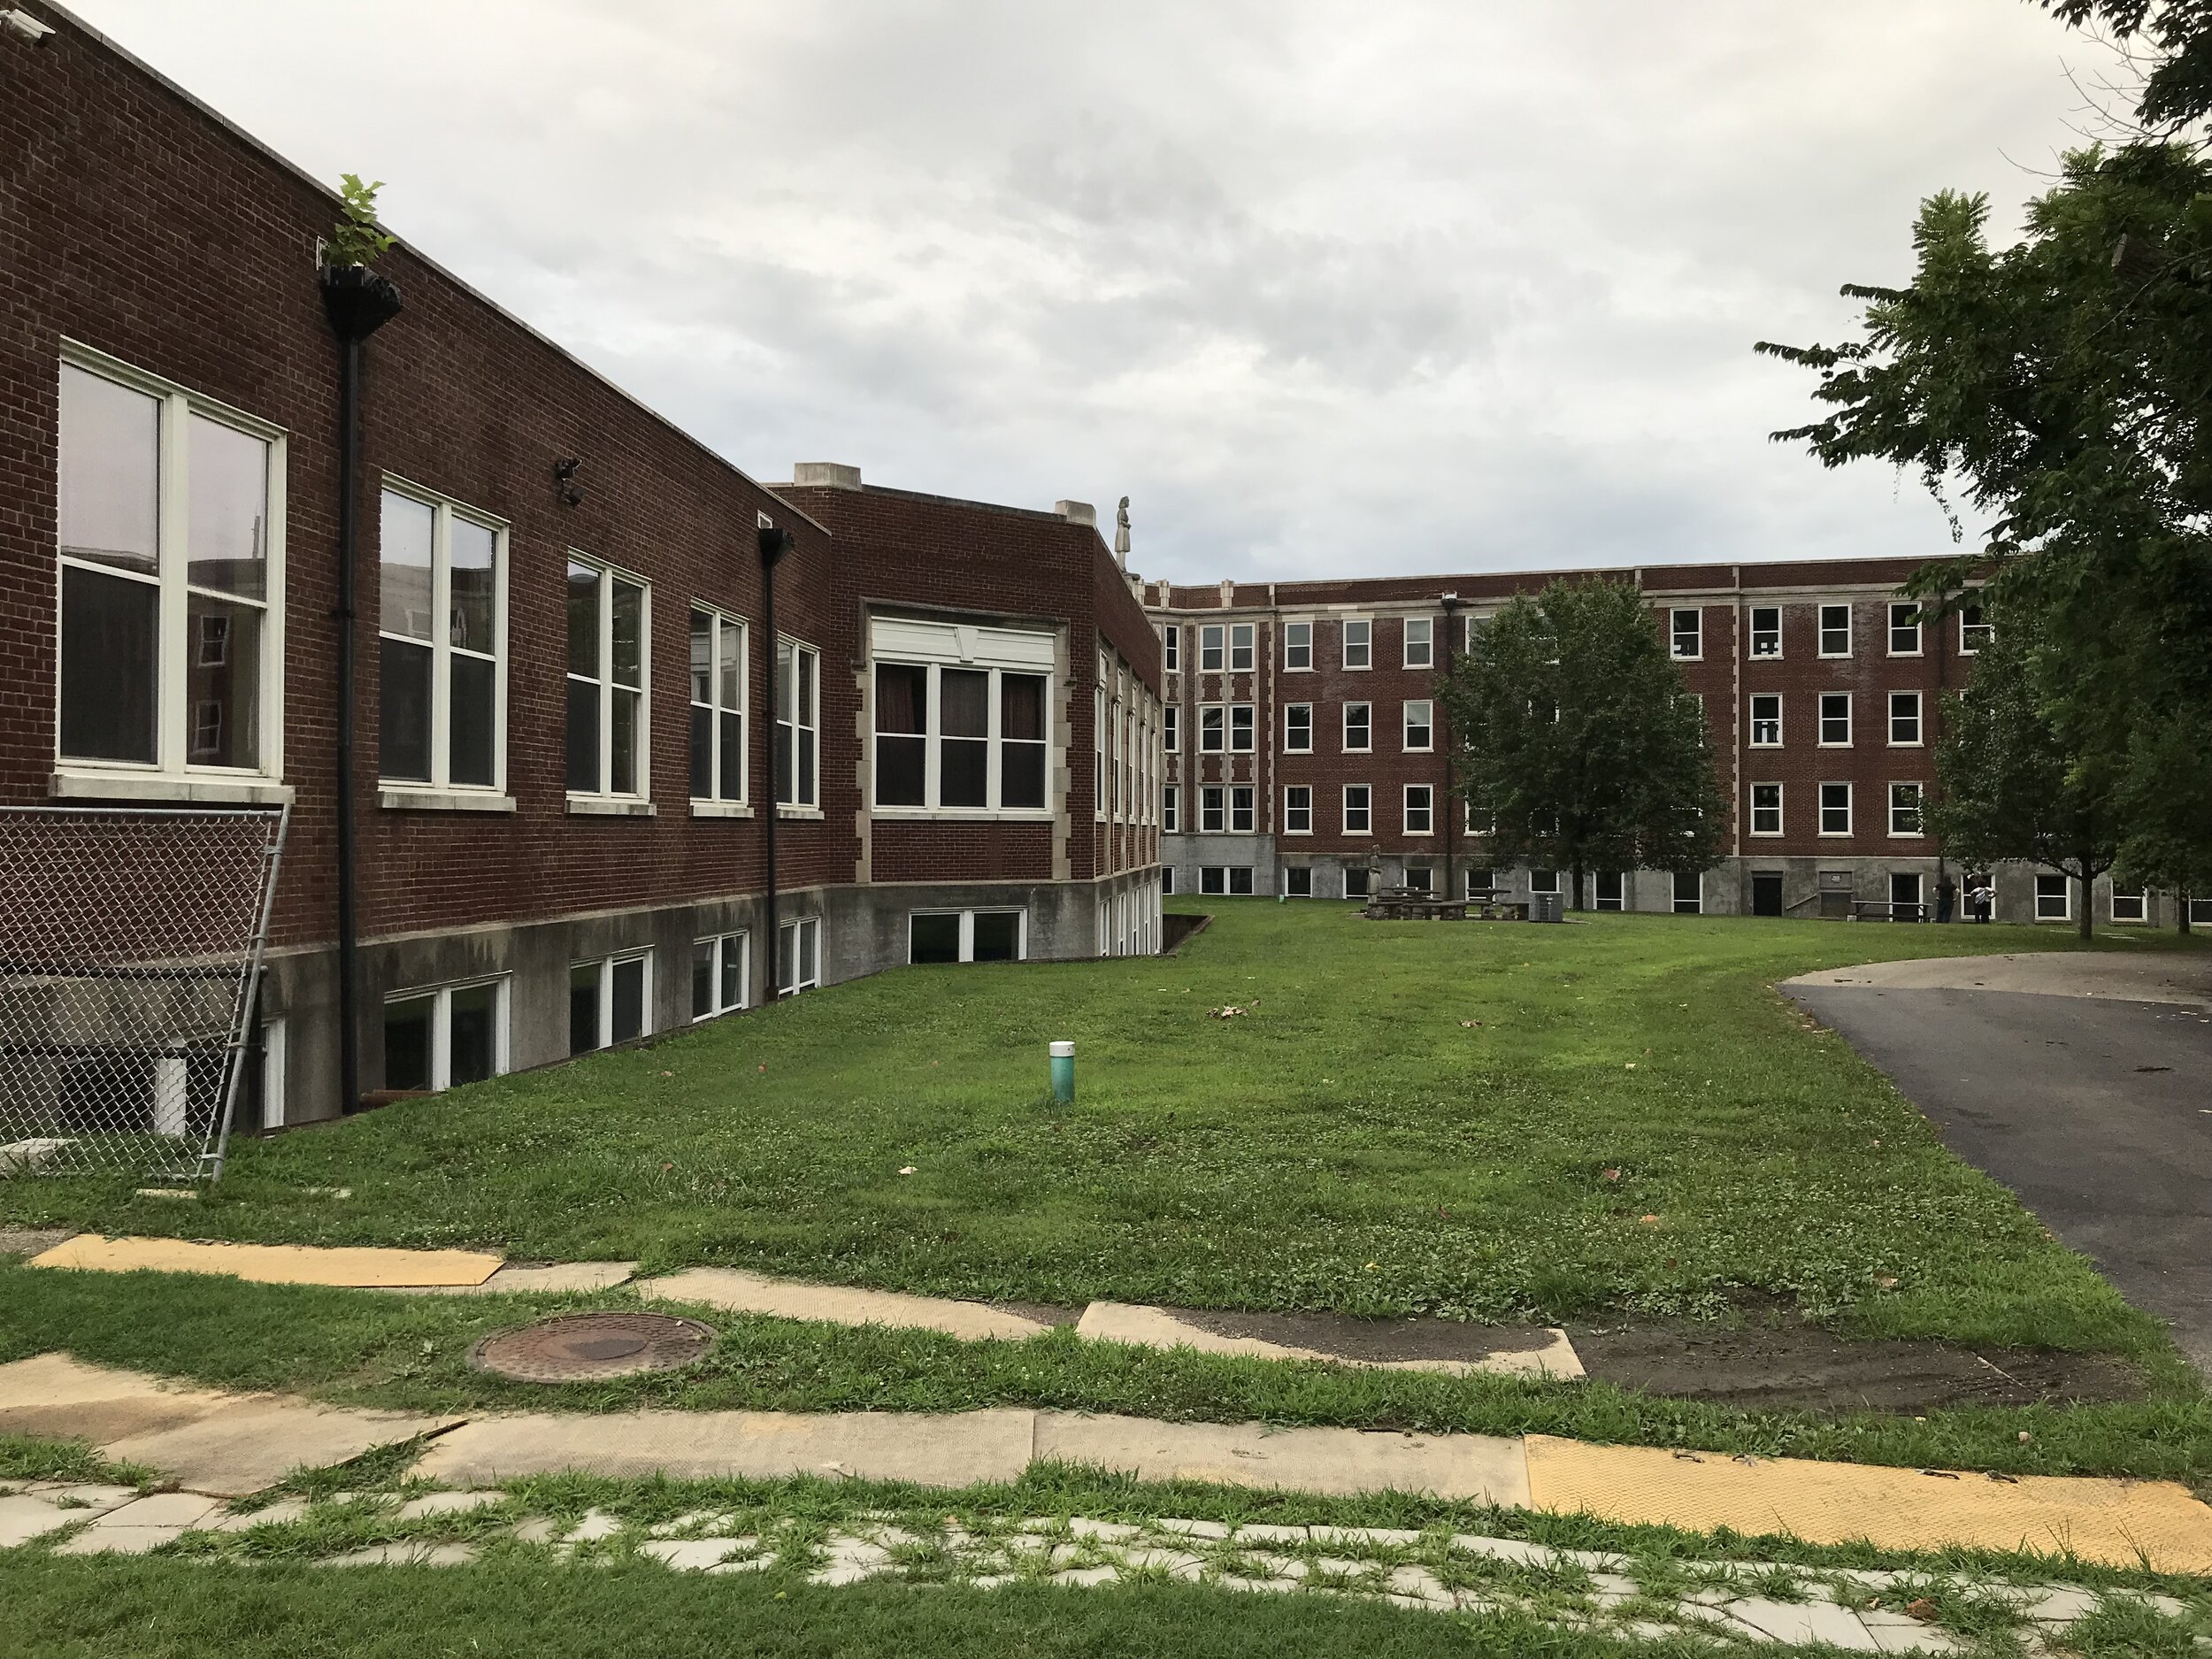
2116, 1522
273, 1264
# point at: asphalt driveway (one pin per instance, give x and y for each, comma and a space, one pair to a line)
2097, 1110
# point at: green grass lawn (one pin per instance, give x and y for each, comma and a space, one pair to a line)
1637, 1121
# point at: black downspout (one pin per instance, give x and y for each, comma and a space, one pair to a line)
774, 544
359, 302
1450, 601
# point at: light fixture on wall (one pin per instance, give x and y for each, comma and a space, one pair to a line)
564, 474
25, 27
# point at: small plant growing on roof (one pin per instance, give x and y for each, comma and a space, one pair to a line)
357, 239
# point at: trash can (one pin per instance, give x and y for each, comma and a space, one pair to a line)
1547, 907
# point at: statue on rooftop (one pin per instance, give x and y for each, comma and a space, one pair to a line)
1121, 532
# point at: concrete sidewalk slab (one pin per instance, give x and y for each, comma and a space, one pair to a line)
2158, 976
256, 1440
1160, 1327
741, 1292
949, 1450
557, 1276
54, 1395
272, 1264
2106, 1521
1335, 1462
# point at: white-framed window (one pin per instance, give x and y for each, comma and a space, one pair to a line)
1904, 719
1766, 808
1171, 647
1172, 728
967, 935
1167, 880
1355, 882
1835, 630
1420, 809
719, 679
798, 724
1359, 728
1235, 880
1358, 637
1689, 892
1242, 816
1172, 808
1298, 728
1478, 884
1212, 648
171, 547
1420, 878
2054, 898
1835, 809
1543, 882
2130, 907
1687, 634
1418, 726
1213, 729
798, 956
609, 648
441, 690
1835, 720
445, 1035
1359, 809
1298, 810
1766, 720
610, 1001
1904, 808
1766, 630
1242, 734
1974, 633
972, 736
1243, 641
1213, 809
1297, 646
1904, 630
720, 974
1611, 891
1297, 881
1420, 650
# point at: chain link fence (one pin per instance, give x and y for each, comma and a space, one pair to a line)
130, 960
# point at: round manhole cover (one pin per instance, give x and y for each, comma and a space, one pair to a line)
585, 1347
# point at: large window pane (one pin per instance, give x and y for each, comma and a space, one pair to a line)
583, 620
1022, 725
624, 755
733, 970
934, 938
473, 1052
472, 718
110, 626
407, 1026
703, 656
404, 722
228, 496
110, 490
732, 779
222, 682
475, 556
583, 1008
629, 999
901, 708
997, 935
732, 667
405, 540
629, 634
964, 757
583, 736
703, 954
702, 753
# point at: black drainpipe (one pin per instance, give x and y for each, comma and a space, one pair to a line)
359, 302
774, 544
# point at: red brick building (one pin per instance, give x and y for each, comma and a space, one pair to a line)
566, 741
1305, 743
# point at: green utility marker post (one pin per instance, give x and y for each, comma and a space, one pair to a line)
1063, 1072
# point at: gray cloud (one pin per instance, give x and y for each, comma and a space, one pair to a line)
1321, 285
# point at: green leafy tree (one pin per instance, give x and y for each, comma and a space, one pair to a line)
2008, 785
1580, 747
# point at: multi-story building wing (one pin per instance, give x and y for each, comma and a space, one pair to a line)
571, 725
1307, 750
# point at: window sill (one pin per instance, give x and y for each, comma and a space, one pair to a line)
83, 786
608, 806
801, 812
404, 800
971, 815
720, 808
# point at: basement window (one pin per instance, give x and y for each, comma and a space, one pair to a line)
966, 936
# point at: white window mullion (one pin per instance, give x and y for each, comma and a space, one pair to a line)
992, 738
172, 555
441, 646
933, 724
606, 735
441, 1039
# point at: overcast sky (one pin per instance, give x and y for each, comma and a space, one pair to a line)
1324, 287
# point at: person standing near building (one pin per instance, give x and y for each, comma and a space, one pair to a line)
1947, 896
1978, 898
